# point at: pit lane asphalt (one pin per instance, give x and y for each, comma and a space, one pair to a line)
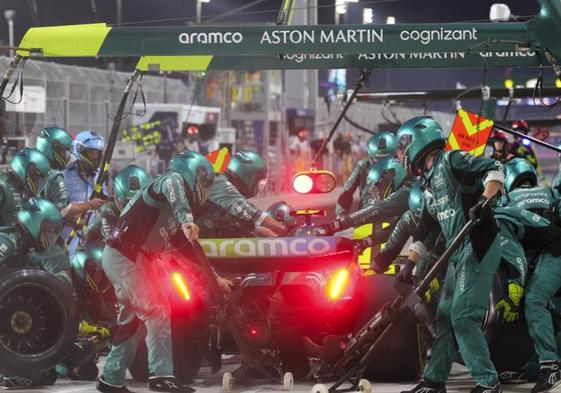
207, 383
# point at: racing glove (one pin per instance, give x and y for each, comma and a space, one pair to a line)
480, 209
510, 306
405, 275
434, 286
87, 329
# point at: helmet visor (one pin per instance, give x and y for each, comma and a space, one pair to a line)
61, 155
383, 187
402, 145
95, 277
33, 180
260, 185
48, 235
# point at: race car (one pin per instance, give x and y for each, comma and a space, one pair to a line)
296, 293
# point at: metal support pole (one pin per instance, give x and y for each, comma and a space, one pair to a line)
119, 12
66, 113
14, 64
199, 11
267, 125
530, 138
11, 36
107, 155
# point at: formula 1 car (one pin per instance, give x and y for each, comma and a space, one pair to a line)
294, 293
298, 298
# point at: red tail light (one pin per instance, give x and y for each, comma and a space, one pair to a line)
337, 284
181, 286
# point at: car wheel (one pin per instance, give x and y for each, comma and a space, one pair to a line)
190, 342
405, 341
501, 335
139, 366
38, 321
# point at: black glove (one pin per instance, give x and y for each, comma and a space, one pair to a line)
377, 267
405, 275
480, 209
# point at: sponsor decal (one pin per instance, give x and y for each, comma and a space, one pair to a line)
268, 247
214, 37
532, 201
446, 214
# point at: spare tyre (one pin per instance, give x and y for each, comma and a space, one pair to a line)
38, 321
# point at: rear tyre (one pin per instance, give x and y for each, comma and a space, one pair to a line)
501, 335
139, 367
190, 340
38, 321
405, 341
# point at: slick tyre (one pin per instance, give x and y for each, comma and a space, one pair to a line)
190, 341
38, 321
190, 335
401, 356
501, 335
139, 366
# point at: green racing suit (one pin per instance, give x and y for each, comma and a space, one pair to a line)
381, 210
55, 259
227, 212
357, 180
455, 181
11, 199
521, 234
541, 242
149, 225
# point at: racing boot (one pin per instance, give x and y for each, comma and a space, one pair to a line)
168, 384
427, 387
513, 377
549, 377
16, 383
104, 387
487, 389
48, 377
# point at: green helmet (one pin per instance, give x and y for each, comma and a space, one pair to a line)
196, 171
387, 174
416, 199
518, 171
41, 221
382, 144
426, 135
88, 268
56, 144
248, 172
128, 181
31, 168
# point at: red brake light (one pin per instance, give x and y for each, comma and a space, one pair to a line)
337, 284
181, 286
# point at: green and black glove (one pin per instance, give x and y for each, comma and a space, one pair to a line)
510, 305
